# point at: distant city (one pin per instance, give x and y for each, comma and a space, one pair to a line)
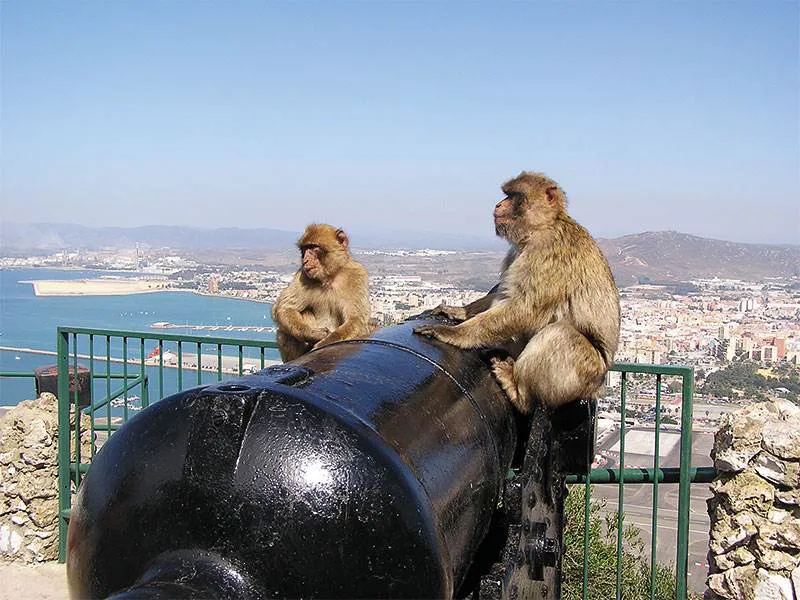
705, 322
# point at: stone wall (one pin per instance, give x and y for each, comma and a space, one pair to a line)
754, 547
29, 478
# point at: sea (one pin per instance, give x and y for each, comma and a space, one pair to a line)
30, 321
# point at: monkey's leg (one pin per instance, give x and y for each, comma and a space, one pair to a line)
290, 347
504, 373
557, 366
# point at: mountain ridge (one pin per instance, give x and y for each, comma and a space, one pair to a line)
668, 255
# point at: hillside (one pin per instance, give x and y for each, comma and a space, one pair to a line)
670, 255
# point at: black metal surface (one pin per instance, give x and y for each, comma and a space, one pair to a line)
364, 469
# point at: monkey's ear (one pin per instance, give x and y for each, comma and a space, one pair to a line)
342, 238
555, 197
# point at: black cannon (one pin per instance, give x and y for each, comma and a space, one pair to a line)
375, 468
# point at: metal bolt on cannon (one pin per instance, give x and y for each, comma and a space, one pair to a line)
387, 467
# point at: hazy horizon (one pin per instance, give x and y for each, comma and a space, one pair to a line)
357, 235
402, 116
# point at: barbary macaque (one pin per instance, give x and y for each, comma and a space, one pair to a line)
556, 297
328, 299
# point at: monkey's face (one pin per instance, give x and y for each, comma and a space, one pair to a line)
506, 212
312, 257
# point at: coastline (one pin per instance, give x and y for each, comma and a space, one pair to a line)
115, 287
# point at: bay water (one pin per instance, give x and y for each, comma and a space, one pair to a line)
30, 321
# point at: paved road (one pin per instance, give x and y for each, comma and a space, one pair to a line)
638, 509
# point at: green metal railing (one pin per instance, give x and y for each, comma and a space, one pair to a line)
115, 354
123, 355
17, 374
684, 476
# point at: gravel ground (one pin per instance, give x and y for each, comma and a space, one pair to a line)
46, 581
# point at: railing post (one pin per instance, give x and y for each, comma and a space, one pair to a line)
684, 487
64, 500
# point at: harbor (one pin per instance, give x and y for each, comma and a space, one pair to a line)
208, 362
220, 328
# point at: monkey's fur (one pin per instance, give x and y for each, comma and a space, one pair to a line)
328, 299
556, 297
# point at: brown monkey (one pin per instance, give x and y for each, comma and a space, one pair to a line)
556, 296
328, 299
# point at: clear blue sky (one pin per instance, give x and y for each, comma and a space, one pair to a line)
402, 115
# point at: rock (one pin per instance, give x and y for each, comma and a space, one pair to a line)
741, 556
782, 439
738, 557
728, 533
41, 514
796, 582
785, 536
720, 563
37, 435
736, 583
790, 497
778, 471
778, 515
35, 460
788, 410
38, 484
770, 586
746, 491
738, 440
10, 540
776, 560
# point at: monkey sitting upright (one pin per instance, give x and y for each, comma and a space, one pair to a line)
556, 295
328, 299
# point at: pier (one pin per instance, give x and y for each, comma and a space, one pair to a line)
253, 328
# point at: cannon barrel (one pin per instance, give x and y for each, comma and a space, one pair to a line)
368, 468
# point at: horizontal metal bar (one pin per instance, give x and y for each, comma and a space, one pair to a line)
225, 341
106, 427
664, 475
652, 369
110, 375
32, 374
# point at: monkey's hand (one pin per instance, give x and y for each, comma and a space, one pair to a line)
317, 334
454, 313
439, 332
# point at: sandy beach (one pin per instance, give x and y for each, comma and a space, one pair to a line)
95, 287
46, 581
